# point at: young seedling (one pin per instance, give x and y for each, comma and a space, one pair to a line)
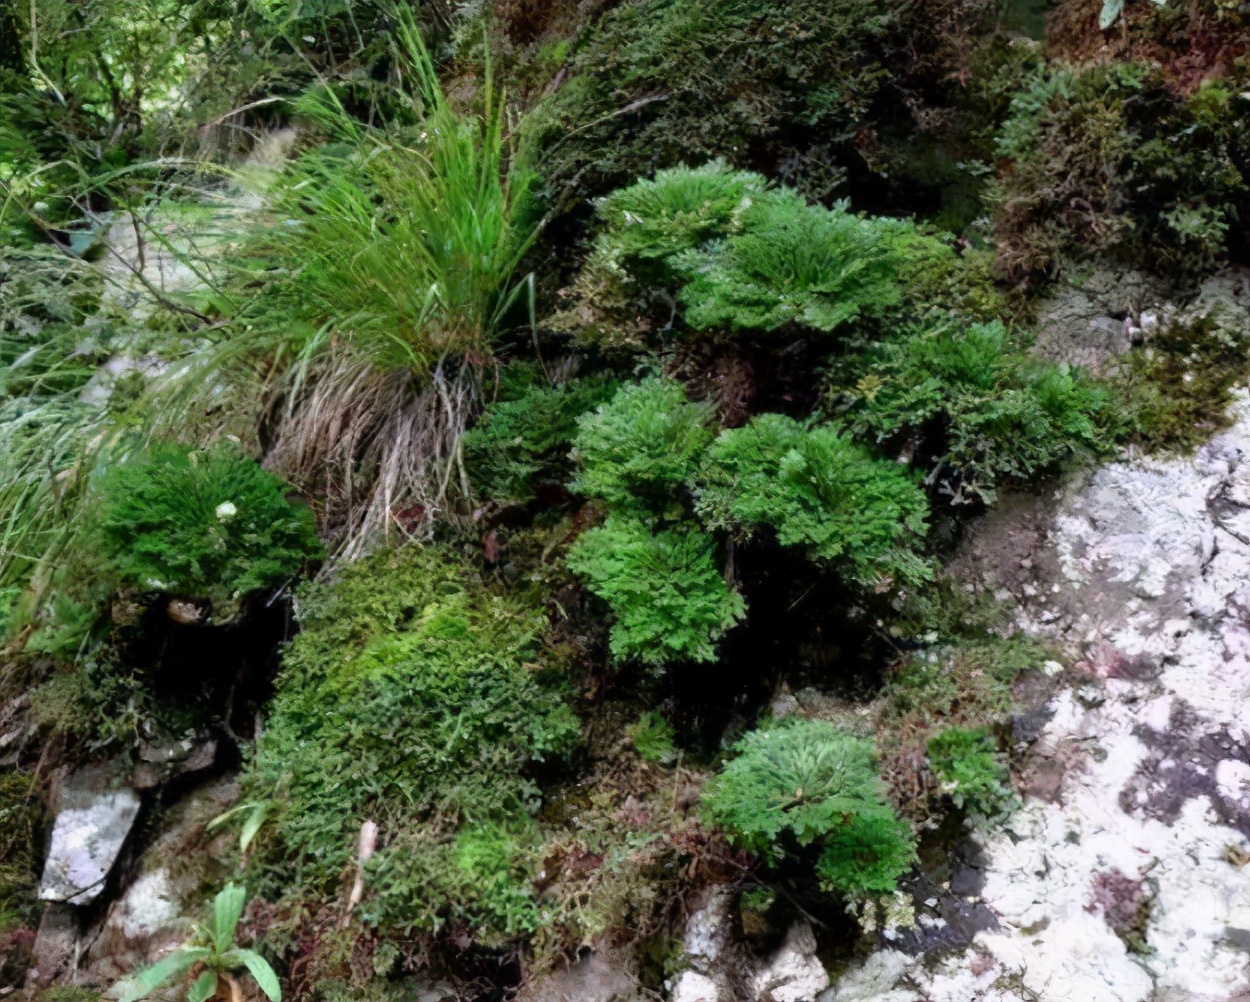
212, 952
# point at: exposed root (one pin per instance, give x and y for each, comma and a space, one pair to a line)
381, 447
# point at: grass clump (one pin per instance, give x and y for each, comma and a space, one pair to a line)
804, 783
972, 772
818, 490
416, 697
404, 242
637, 450
208, 523
524, 437
668, 599
975, 410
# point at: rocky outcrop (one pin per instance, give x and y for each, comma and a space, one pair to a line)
1123, 878
94, 813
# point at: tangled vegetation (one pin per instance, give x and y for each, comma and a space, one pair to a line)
528, 441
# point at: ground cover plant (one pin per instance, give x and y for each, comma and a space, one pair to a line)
443, 703
524, 448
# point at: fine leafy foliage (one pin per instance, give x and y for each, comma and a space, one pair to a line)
669, 601
641, 446
747, 257
209, 523
526, 436
790, 262
806, 783
972, 771
413, 697
677, 211
819, 490
211, 949
997, 413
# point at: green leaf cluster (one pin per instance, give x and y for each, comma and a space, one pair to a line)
789, 262
676, 211
668, 598
418, 698
201, 523
213, 952
639, 449
972, 771
819, 490
747, 256
524, 437
805, 783
654, 567
1000, 415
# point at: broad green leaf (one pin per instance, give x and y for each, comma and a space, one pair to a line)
145, 982
253, 824
227, 907
259, 968
203, 987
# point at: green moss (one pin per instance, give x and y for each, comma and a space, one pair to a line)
415, 697
966, 683
1108, 160
1176, 389
18, 874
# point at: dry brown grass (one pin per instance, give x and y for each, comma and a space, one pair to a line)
380, 447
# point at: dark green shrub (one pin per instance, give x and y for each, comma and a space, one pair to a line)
210, 523
972, 771
976, 410
414, 697
790, 262
668, 599
526, 435
808, 784
642, 445
657, 83
819, 490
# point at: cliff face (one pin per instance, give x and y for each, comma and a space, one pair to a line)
708, 500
